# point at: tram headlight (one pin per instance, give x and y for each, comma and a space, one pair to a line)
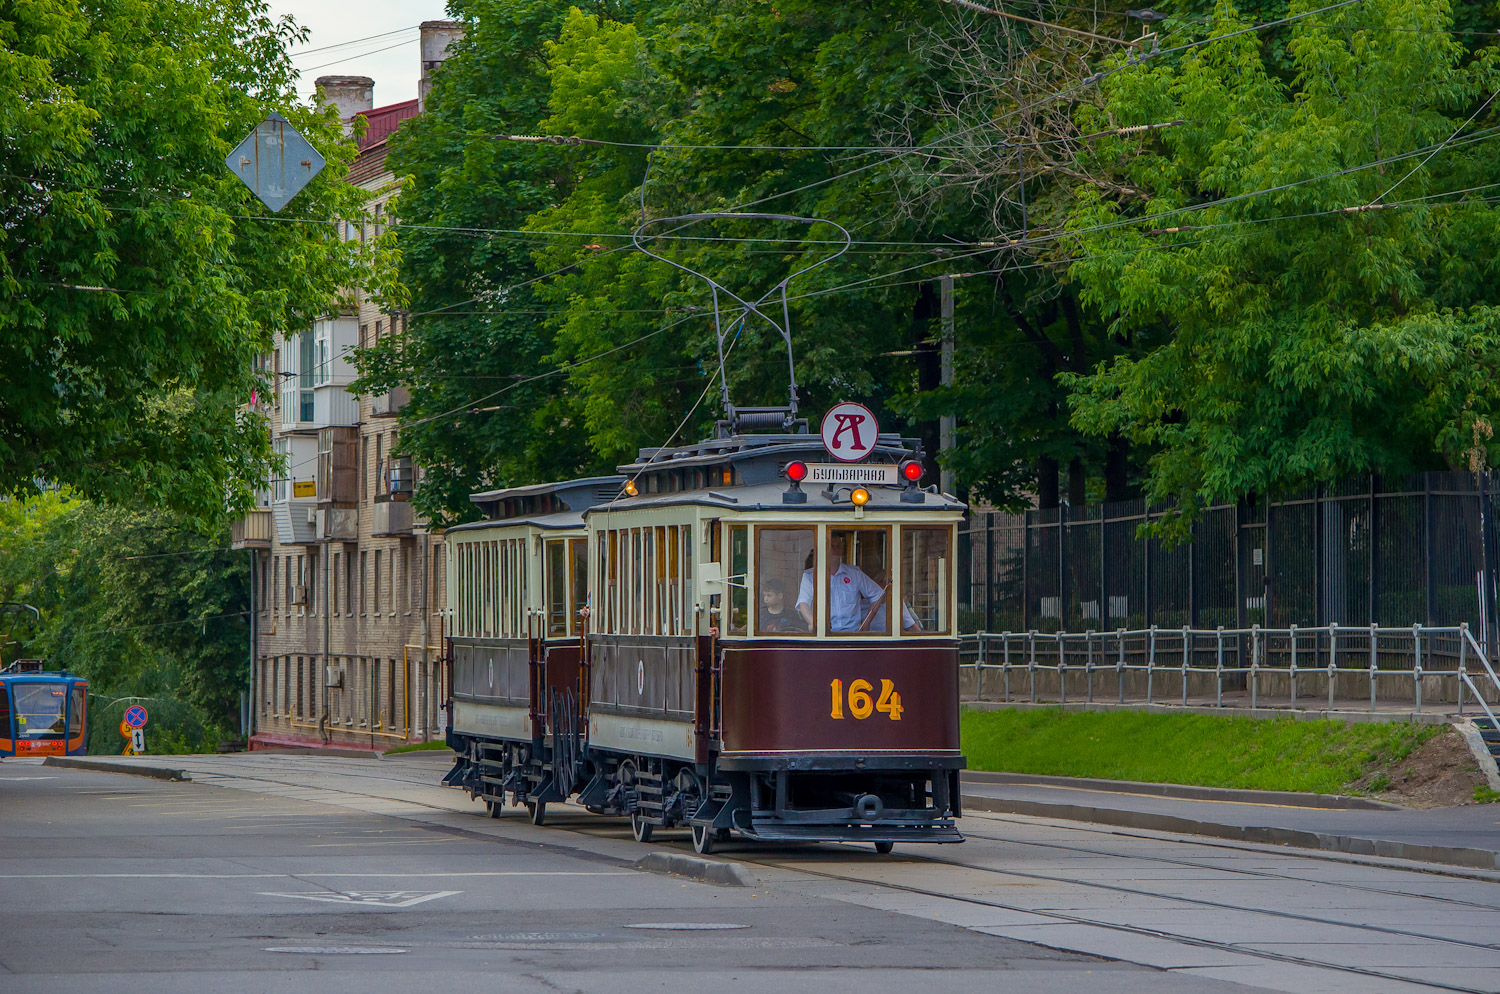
860, 497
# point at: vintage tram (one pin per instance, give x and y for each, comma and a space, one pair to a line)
42, 712
759, 654
519, 578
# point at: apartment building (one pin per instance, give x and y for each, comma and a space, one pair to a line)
348, 580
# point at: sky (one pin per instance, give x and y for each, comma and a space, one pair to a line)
380, 41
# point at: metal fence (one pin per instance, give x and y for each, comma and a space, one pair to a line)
1413, 550
1348, 668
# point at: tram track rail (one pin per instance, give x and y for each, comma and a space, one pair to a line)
1064, 917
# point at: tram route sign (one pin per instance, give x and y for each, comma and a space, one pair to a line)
135, 716
849, 432
858, 474
275, 161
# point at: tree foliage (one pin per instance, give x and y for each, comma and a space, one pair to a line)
1311, 279
1156, 282
139, 278
137, 601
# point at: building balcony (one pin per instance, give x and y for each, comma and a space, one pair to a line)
389, 404
253, 531
337, 524
391, 517
296, 520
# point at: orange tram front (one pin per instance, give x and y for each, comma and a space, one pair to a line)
762, 654
42, 713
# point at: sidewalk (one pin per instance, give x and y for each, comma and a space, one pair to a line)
1466, 836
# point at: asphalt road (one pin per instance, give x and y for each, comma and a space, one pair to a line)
264, 868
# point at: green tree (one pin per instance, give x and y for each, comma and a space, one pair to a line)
139, 278
1311, 281
137, 601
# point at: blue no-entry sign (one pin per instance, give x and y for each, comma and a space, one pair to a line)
135, 716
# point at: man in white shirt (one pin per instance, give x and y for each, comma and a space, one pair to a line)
851, 595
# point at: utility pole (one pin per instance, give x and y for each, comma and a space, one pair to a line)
945, 428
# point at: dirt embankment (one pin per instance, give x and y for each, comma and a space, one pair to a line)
1440, 773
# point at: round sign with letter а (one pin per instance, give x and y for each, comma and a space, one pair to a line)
849, 432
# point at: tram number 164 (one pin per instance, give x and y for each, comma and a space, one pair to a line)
861, 704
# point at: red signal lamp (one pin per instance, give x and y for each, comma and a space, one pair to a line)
795, 472
911, 472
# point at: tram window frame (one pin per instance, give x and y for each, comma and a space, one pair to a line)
739, 569
555, 585
944, 600
577, 556
791, 595
689, 617
6, 732
826, 580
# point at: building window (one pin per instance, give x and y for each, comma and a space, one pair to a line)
349, 582
375, 592
322, 372
390, 581
364, 566
334, 586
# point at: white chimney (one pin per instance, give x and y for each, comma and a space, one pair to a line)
436, 37
348, 94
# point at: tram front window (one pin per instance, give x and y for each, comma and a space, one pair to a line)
781, 557
41, 710
926, 553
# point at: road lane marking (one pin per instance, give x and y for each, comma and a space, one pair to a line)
388, 899
278, 876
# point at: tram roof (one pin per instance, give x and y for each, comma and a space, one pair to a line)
744, 472
545, 505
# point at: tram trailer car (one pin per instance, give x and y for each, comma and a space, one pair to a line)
519, 579
767, 660
42, 712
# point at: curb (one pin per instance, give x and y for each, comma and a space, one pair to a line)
708, 870
1188, 792
1482, 859
133, 769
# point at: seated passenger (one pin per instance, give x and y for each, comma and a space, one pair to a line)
774, 614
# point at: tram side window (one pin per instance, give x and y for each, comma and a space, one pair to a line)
578, 575
80, 704
557, 588
739, 550
688, 593
783, 557
4, 711
858, 578
926, 555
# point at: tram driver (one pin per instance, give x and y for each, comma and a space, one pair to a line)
853, 598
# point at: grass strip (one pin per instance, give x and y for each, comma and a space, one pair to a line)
416, 747
1324, 757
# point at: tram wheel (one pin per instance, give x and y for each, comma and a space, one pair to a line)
703, 839
538, 811
492, 806
640, 827
884, 848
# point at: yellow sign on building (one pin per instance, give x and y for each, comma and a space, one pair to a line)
304, 488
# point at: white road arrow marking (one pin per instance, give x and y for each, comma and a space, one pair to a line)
381, 899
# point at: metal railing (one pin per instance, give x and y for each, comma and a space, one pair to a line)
1416, 666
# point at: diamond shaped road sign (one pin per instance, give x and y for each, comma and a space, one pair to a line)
275, 161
